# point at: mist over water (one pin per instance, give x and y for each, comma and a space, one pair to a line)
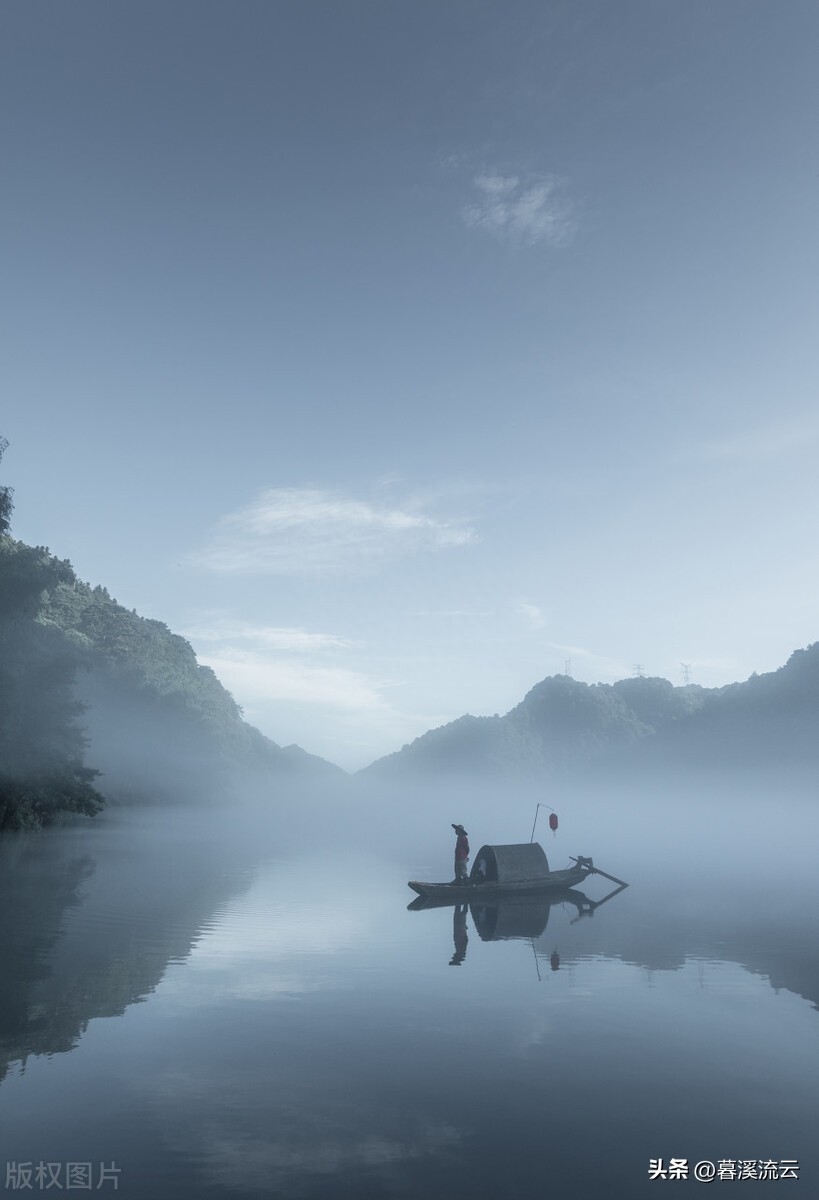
435, 376
236, 1001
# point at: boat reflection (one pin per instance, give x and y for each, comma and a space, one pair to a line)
512, 917
459, 934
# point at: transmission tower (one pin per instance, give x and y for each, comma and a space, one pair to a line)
686, 669
567, 667
638, 671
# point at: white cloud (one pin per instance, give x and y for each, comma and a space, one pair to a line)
260, 663
276, 672
578, 651
772, 441
521, 212
253, 678
532, 613
596, 667
288, 530
270, 637
456, 613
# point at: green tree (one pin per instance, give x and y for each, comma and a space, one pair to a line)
6, 494
42, 746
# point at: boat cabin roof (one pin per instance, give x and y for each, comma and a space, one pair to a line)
510, 864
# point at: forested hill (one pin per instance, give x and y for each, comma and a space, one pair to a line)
99, 703
145, 695
563, 726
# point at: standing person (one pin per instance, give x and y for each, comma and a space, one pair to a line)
461, 855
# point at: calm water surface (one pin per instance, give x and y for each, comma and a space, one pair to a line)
253, 1011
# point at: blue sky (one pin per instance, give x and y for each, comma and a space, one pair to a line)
399, 353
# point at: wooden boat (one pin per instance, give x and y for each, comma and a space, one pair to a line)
480, 893
509, 871
482, 897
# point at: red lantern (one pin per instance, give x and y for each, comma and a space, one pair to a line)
553, 822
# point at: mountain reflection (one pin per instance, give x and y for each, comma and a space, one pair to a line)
91, 920
32, 920
309, 1039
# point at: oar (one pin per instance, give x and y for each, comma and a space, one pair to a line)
596, 871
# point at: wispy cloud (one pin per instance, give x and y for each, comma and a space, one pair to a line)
276, 670
268, 637
594, 666
765, 442
253, 679
522, 212
577, 651
288, 530
532, 613
452, 613
261, 663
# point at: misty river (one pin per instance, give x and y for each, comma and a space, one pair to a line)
237, 1002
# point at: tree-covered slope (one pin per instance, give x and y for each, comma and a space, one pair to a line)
42, 746
99, 703
768, 720
96, 701
563, 725
153, 714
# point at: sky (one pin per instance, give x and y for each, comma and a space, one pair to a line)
402, 354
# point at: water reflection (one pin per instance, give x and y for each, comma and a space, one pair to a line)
510, 918
29, 933
92, 917
304, 1036
459, 934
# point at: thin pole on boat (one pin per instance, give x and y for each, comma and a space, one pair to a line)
537, 810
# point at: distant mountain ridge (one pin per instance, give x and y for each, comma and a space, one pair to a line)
562, 725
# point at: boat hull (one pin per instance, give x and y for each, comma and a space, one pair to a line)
479, 893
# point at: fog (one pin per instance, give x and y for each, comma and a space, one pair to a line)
206, 915
412, 361
193, 853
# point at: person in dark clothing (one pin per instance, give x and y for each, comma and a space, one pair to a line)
461, 855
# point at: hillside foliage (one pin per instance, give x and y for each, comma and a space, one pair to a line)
563, 725
42, 745
99, 703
